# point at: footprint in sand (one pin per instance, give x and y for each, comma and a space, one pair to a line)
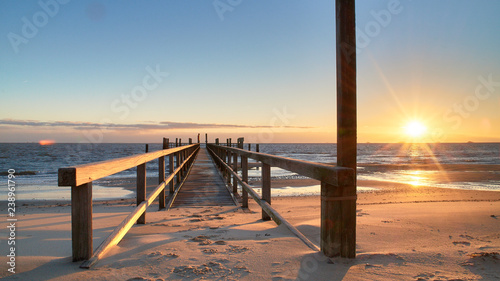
465, 243
210, 251
236, 249
202, 239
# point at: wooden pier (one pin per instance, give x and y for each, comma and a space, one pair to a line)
204, 186
338, 184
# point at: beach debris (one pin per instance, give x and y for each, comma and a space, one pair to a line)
220, 242
493, 216
139, 279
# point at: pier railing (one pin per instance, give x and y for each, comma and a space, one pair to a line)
337, 220
80, 179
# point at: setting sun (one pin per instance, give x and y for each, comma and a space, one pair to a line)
415, 129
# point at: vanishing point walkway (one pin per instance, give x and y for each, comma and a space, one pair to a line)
204, 186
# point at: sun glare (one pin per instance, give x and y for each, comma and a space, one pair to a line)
415, 129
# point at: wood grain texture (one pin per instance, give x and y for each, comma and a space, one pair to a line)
81, 221
266, 188
78, 175
336, 176
273, 214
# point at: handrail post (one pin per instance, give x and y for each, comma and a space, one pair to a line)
170, 171
161, 176
178, 176
235, 168
81, 221
229, 164
141, 190
244, 174
266, 188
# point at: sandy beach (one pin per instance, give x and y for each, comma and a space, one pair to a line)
404, 232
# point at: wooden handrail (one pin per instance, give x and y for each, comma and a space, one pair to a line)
115, 237
338, 189
80, 178
336, 176
266, 207
81, 174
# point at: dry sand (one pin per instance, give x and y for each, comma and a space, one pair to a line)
403, 233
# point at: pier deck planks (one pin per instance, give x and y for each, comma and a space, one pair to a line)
204, 186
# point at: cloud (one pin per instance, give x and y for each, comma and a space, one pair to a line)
165, 125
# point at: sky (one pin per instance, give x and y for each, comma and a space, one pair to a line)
138, 71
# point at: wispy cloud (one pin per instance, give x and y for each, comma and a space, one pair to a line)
165, 125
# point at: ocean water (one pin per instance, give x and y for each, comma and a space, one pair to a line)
36, 165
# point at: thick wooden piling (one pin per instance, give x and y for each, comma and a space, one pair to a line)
338, 204
81, 221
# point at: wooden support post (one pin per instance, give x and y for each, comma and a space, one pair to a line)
180, 142
176, 140
198, 138
161, 176
257, 147
249, 147
141, 190
229, 142
178, 177
81, 221
244, 177
338, 204
266, 188
229, 158
235, 168
190, 141
168, 143
170, 171
217, 141
206, 138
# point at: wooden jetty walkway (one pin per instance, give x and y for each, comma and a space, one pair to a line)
338, 183
204, 186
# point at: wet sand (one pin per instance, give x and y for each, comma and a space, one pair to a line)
404, 232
